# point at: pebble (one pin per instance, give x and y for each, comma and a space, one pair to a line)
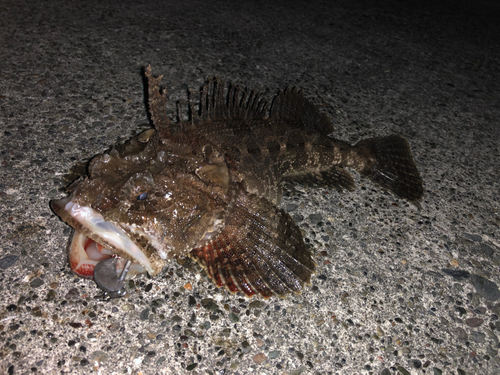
209, 304
259, 358
51, 295
98, 357
8, 261
487, 250
36, 282
462, 335
485, 288
478, 337
474, 322
274, 354
128, 307
315, 218
416, 363
144, 314
492, 352
257, 304
234, 318
191, 301
473, 237
457, 274
191, 366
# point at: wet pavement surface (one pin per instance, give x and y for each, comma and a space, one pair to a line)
398, 290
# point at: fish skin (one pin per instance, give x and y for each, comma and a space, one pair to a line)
208, 188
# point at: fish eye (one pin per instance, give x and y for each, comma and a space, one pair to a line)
142, 196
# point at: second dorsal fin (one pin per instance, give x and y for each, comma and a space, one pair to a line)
291, 106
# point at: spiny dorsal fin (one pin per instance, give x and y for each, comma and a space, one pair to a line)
157, 104
214, 105
292, 106
289, 106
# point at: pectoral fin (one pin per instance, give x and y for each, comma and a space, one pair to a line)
261, 250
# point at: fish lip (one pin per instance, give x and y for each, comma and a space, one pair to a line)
93, 225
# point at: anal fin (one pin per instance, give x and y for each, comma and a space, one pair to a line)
261, 250
334, 177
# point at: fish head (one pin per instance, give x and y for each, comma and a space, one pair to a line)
147, 202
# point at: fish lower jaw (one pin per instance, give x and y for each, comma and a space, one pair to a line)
89, 223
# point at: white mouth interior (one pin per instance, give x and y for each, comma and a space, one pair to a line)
109, 232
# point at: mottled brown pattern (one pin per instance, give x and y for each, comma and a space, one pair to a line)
213, 184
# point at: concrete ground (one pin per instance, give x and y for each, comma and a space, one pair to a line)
398, 290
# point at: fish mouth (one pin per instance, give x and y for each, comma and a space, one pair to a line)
96, 239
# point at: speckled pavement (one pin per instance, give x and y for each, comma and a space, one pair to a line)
398, 290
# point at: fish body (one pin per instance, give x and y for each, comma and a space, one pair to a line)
209, 188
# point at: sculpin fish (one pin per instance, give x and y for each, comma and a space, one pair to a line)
209, 188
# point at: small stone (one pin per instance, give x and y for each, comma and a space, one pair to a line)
462, 335
36, 282
8, 261
11, 308
474, 322
259, 358
487, 250
209, 304
315, 218
54, 285
160, 361
191, 301
274, 354
457, 274
144, 314
128, 307
416, 363
234, 318
246, 346
98, 357
437, 371
402, 370
485, 288
473, 237
51, 295
257, 304
36, 311
478, 337
492, 352
386, 371
380, 332
191, 366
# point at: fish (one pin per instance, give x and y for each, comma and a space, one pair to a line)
208, 188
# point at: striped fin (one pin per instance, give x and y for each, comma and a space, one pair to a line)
261, 250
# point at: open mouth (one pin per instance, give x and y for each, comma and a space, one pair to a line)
84, 254
97, 241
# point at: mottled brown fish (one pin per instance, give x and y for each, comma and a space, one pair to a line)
208, 188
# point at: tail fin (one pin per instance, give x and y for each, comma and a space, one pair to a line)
391, 165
